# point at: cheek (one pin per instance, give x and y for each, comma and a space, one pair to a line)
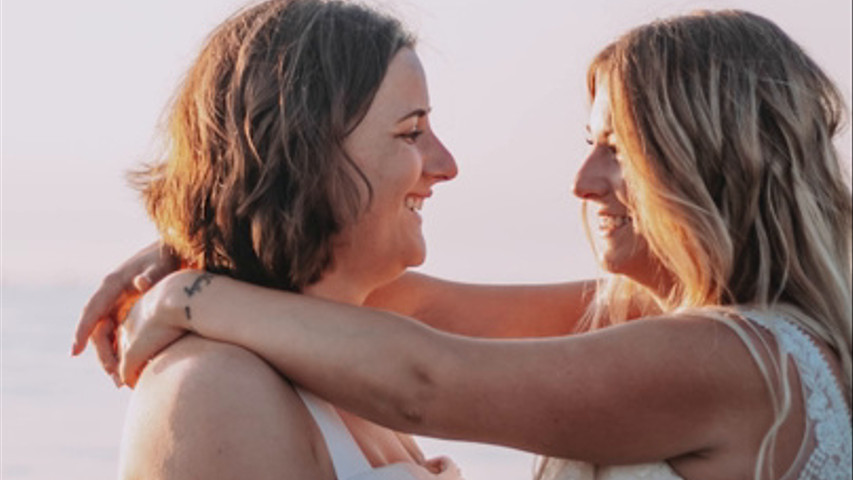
402, 172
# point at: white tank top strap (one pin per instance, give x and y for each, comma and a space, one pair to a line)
347, 458
827, 411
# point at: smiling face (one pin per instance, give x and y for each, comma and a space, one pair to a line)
402, 158
599, 182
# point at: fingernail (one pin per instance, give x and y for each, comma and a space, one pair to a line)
74, 350
142, 283
116, 380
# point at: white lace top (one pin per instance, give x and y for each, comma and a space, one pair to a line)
827, 450
828, 417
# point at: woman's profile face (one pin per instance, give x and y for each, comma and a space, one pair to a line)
600, 183
402, 159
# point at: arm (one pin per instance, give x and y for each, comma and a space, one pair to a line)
496, 311
647, 390
131, 278
476, 310
215, 411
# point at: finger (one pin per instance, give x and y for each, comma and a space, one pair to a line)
103, 337
448, 467
166, 263
143, 282
128, 372
97, 307
129, 369
437, 465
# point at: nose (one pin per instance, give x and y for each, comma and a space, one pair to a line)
594, 178
439, 162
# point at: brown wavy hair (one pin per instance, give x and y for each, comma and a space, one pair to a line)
255, 183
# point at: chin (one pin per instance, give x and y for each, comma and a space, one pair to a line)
417, 260
417, 255
624, 261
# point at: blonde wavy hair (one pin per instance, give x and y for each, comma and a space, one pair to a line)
727, 131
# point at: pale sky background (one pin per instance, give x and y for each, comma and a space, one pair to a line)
84, 83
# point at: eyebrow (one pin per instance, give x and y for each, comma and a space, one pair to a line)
419, 112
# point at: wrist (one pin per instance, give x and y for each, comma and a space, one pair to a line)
181, 298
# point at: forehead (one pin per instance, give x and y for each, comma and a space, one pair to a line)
402, 90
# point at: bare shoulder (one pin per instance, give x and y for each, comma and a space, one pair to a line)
709, 353
725, 357
204, 409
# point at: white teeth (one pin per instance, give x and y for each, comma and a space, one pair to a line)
610, 222
414, 204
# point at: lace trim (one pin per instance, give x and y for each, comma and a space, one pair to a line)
825, 405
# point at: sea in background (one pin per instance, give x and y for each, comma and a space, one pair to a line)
62, 417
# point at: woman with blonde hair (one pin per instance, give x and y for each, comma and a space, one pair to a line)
720, 348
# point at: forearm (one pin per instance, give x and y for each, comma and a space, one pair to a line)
496, 311
329, 348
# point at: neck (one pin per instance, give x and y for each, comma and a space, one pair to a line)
659, 282
339, 288
352, 277
350, 283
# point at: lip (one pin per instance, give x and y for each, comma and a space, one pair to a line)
612, 213
423, 195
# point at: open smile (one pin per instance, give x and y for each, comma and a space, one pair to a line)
609, 223
414, 203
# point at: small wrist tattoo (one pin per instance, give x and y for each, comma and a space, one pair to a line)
187, 312
203, 279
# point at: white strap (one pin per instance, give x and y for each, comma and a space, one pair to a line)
347, 457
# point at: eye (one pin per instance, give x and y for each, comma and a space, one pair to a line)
412, 136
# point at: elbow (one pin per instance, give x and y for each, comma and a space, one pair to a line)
415, 400
412, 394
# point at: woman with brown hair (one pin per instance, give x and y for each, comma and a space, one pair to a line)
299, 155
720, 348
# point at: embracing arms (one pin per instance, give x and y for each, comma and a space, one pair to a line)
495, 311
647, 390
488, 311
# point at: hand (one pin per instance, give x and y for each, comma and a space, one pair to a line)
136, 275
154, 323
444, 468
439, 468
